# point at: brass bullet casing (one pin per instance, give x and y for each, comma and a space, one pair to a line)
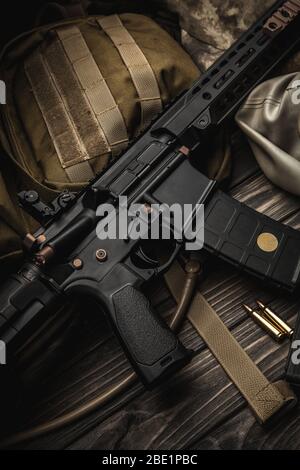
275, 319
271, 329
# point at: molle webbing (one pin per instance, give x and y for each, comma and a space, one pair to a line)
59, 121
98, 94
80, 112
138, 66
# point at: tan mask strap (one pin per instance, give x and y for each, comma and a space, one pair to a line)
264, 398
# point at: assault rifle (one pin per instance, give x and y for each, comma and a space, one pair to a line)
66, 258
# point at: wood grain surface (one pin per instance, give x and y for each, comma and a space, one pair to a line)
199, 408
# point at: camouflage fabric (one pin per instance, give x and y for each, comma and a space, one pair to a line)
209, 27
205, 28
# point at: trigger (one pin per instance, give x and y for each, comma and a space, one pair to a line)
144, 257
156, 254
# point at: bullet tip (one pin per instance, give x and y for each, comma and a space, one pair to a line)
246, 307
260, 304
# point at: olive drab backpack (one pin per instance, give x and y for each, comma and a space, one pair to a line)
78, 91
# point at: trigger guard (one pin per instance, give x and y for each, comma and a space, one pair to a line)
165, 267
142, 262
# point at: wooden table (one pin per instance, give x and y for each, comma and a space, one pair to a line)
199, 408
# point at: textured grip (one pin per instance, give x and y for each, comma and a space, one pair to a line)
250, 240
152, 347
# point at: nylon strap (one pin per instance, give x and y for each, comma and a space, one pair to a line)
264, 398
71, 91
58, 119
107, 114
138, 66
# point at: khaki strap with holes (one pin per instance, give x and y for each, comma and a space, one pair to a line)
58, 118
80, 112
95, 88
138, 66
264, 398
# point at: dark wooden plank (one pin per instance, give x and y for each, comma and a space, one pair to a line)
202, 397
227, 304
98, 359
193, 406
242, 432
259, 193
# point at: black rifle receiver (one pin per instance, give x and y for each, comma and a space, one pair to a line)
66, 257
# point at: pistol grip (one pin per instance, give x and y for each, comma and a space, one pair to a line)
153, 349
